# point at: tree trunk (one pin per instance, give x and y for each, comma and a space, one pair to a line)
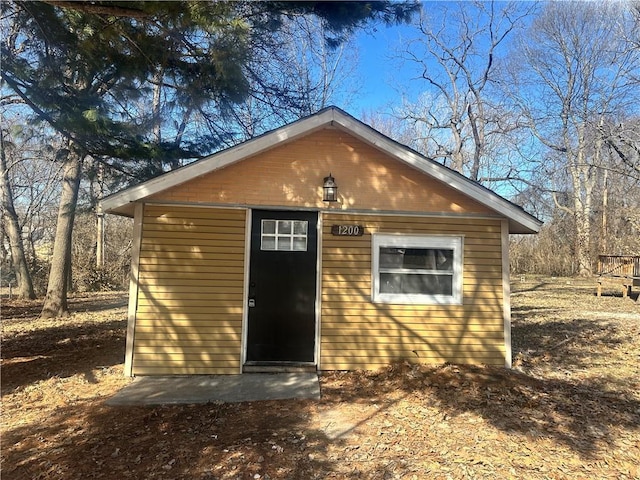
583, 182
12, 228
100, 220
583, 244
604, 240
55, 303
100, 240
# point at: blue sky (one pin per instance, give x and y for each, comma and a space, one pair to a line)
383, 82
387, 81
375, 68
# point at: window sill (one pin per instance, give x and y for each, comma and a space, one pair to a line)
415, 300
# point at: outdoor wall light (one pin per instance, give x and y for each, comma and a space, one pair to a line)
330, 189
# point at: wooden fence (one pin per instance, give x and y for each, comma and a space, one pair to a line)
624, 267
619, 266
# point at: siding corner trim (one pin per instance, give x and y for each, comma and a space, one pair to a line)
133, 288
506, 293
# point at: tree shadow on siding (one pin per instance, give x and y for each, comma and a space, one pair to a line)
173, 356
436, 333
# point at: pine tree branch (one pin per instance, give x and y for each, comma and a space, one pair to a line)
99, 9
37, 110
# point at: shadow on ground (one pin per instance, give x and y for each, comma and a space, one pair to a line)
86, 439
565, 344
633, 296
17, 309
581, 415
188, 441
62, 351
249, 438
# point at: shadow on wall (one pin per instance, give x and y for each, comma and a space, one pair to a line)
366, 178
190, 291
431, 334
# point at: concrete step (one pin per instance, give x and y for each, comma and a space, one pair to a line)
278, 367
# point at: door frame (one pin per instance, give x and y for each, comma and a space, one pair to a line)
247, 265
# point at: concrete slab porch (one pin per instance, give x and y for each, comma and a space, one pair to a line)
248, 387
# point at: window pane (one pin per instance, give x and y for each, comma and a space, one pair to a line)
300, 244
443, 260
284, 235
417, 258
391, 257
417, 269
284, 227
268, 243
284, 243
300, 227
269, 226
416, 283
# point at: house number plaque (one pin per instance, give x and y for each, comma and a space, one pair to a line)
347, 230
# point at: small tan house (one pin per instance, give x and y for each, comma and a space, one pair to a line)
322, 244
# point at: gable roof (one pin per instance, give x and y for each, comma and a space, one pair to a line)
519, 220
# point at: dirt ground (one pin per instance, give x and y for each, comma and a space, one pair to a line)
569, 409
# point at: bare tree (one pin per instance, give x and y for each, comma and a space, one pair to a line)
459, 117
620, 188
12, 227
30, 188
292, 75
575, 72
624, 140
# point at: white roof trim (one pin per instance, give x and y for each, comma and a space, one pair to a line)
520, 221
450, 177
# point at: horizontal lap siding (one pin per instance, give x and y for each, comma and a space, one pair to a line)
191, 280
291, 176
357, 333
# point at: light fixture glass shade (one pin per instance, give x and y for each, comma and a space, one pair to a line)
330, 189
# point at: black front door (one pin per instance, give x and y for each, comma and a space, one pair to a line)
282, 287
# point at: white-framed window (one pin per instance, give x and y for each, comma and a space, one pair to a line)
417, 269
284, 235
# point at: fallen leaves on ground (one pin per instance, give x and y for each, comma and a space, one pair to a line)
569, 409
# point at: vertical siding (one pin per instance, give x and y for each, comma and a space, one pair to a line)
358, 334
190, 291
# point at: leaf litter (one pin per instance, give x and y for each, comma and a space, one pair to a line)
570, 407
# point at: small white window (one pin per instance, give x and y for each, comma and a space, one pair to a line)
417, 269
284, 235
